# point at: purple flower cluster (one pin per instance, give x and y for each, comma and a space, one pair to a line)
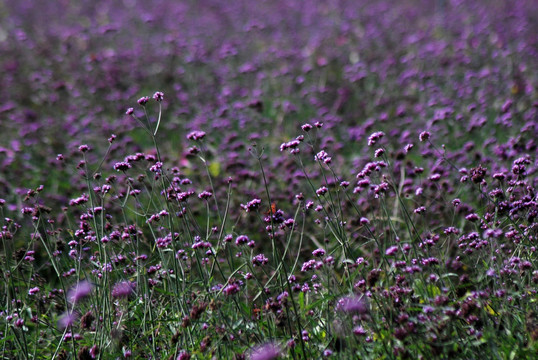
433, 122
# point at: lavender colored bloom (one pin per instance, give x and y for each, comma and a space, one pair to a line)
122, 166
372, 139
420, 210
259, 260
251, 205
428, 309
293, 145
323, 156
196, 135
308, 265
158, 96
423, 136
156, 168
241, 239
80, 291
379, 152
33, 291
123, 289
268, 351
84, 148
499, 176
352, 304
318, 252
359, 330
183, 355
506, 106
205, 195
94, 351
391, 250
472, 217
143, 100
231, 289
67, 320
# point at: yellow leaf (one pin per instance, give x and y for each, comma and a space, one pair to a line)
490, 310
434, 290
214, 169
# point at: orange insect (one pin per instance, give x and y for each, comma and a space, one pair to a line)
256, 313
272, 209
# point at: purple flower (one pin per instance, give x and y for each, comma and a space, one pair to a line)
472, 217
428, 309
251, 205
391, 250
231, 289
293, 145
156, 168
122, 166
379, 152
241, 239
420, 210
372, 139
123, 289
80, 291
205, 195
352, 304
308, 265
268, 351
259, 260
94, 351
33, 291
158, 96
67, 320
196, 135
143, 100
423, 136
83, 148
359, 330
183, 355
323, 156
318, 252
506, 106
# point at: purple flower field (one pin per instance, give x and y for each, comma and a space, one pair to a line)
340, 179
